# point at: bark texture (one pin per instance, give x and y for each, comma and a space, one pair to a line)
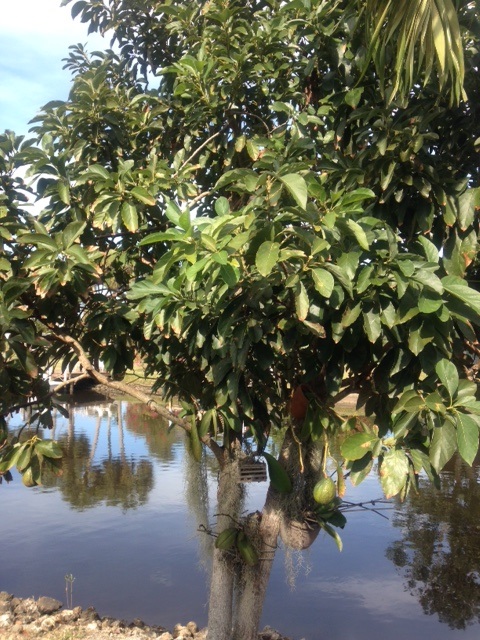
220, 613
253, 581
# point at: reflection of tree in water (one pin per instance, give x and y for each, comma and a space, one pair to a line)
438, 553
115, 481
159, 438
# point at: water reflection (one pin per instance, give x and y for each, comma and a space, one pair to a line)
159, 438
438, 553
144, 562
115, 480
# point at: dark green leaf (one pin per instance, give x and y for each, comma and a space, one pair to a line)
333, 534
24, 456
434, 402
72, 232
429, 301
49, 448
359, 234
38, 240
195, 443
358, 195
402, 424
360, 469
406, 398
64, 192
460, 289
443, 445
352, 98
467, 437
278, 476
373, 325
97, 170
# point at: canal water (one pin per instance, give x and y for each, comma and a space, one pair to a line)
127, 522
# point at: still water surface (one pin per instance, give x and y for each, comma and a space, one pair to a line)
124, 519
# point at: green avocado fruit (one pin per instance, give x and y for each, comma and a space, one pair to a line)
324, 491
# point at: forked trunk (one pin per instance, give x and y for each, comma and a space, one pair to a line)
253, 580
237, 591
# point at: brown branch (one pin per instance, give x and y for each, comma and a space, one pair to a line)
36, 401
67, 383
245, 112
146, 398
474, 347
200, 196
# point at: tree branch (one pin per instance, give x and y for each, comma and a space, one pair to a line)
197, 150
146, 398
200, 196
67, 383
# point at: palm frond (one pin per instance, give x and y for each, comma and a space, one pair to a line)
412, 38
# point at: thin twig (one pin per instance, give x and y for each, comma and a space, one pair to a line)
200, 196
299, 444
197, 150
359, 506
227, 515
245, 112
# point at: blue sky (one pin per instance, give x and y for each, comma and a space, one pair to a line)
34, 37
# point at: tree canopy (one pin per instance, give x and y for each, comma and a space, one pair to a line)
273, 205
230, 196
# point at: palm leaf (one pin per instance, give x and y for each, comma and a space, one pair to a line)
412, 38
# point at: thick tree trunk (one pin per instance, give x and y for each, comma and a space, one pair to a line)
238, 591
253, 581
220, 611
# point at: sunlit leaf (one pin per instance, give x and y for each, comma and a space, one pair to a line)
323, 281
448, 374
297, 187
267, 257
302, 303
141, 194
355, 446
130, 216
393, 472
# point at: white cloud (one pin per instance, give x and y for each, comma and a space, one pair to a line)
380, 596
34, 38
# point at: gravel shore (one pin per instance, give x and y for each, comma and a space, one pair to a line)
27, 618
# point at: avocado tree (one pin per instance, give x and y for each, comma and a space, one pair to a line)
260, 201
